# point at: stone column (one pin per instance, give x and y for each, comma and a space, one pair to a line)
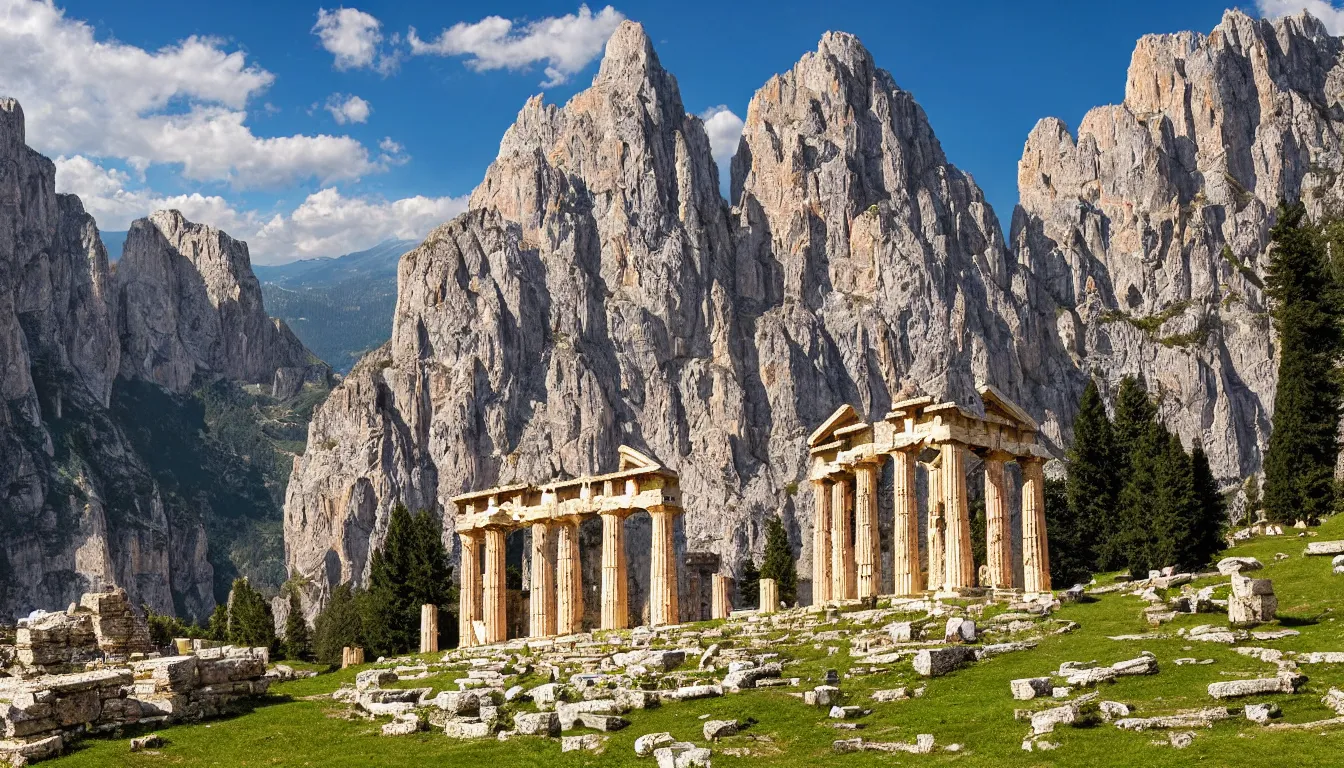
936, 551
615, 609
998, 538
821, 542
769, 596
663, 569
1035, 544
568, 579
469, 591
542, 597
496, 592
722, 604
843, 567
867, 534
905, 530
429, 628
960, 570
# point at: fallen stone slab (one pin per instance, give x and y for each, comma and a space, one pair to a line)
890, 695
1320, 657
821, 696
747, 678
1181, 739
569, 713
682, 754
846, 713
1325, 548
1198, 718
692, 692
1027, 688
1113, 710
588, 742
468, 728
1094, 676
1282, 683
1143, 665
1046, 720
922, 745
604, 723
1262, 713
1334, 721
537, 723
998, 649
646, 744
374, 678
150, 741
1334, 699
1230, 565
935, 662
719, 729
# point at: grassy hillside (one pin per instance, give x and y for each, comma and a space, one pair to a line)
301, 726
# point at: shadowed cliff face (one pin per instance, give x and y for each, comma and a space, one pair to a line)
599, 291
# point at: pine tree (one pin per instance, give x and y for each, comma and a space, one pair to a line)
1135, 417
339, 625
1175, 509
1254, 504
979, 540
297, 642
1067, 567
218, 629
779, 563
1304, 442
251, 622
1134, 413
1136, 541
408, 570
1092, 485
749, 585
1212, 520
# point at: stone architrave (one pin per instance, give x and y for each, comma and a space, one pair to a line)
769, 596
998, 537
821, 542
429, 628
615, 609
469, 591
959, 572
905, 530
495, 593
936, 551
843, 566
1035, 546
663, 569
867, 534
722, 604
568, 579
542, 597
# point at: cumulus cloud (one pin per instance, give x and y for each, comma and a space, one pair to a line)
1329, 14
355, 38
724, 129
183, 104
566, 43
326, 223
348, 109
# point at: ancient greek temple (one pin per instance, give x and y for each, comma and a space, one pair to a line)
553, 513
847, 456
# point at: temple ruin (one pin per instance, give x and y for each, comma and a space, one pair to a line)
847, 455
553, 513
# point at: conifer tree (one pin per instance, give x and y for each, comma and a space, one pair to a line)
1254, 505
749, 585
408, 570
1067, 567
979, 541
1092, 484
297, 641
218, 628
339, 625
251, 622
1212, 518
1135, 417
779, 563
1136, 542
1175, 509
1303, 443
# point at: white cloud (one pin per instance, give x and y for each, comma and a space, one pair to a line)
182, 104
348, 109
355, 38
566, 43
389, 146
724, 129
1327, 12
326, 223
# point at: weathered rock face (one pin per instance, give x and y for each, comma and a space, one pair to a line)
600, 292
189, 303
1149, 229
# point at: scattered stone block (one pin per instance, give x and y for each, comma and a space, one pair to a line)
959, 630
604, 723
1262, 713
646, 744
1285, 682
1143, 665
151, 741
1113, 710
588, 742
890, 695
1325, 548
935, 662
1252, 601
821, 696
374, 678
719, 729
458, 702
1046, 720
537, 723
901, 631
682, 754
1230, 565
845, 713
1028, 688
1334, 699
1181, 739
569, 713
1198, 718
467, 728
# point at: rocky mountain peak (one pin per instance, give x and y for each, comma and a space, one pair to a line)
11, 126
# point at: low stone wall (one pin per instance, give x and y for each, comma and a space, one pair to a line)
103, 626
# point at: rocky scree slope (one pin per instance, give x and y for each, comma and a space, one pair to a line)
599, 291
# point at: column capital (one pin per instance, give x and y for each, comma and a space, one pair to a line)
665, 509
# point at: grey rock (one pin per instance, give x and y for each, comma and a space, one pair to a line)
602, 722
1283, 683
588, 742
537, 723
682, 754
719, 729
1262, 713
1181, 739
1143, 665
935, 662
1046, 720
646, 744
1325, 548
1029, 688
569, 713
1230, 565
467, 728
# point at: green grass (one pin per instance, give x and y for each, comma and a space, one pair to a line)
971, 707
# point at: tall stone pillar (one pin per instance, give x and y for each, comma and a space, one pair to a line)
722, 603
998, 538
843, 566
469, 590
615, 609
663, 569
960, 569
568, 579
769, 596
867, 534
496, 592
905, 530
1035, 544
936, 550
821, 542
429, 628
542, 597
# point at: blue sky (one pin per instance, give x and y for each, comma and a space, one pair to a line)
314, 130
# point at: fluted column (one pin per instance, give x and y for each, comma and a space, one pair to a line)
568, 579
495, 593
1035, 544
615, 609
821, 542
469, 591
769, 596
960, 569
663, 569
429, 628
905, 529
542, 597
843, 567
936, 550
998, 539
867, 534
722, 603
